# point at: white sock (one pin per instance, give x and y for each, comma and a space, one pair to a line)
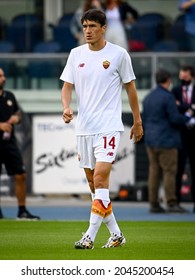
103, 195
95, 223
95, 219
111, 224
92, 196
110, 221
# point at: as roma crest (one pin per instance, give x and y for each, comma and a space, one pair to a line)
106, 64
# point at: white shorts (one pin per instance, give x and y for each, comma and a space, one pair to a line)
97, 148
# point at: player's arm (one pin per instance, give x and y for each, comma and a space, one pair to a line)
66, 100
137, 130
15, 118
8, 125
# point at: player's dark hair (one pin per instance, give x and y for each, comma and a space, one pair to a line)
162, 76
94, 15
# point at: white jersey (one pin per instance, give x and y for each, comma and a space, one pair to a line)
98, 77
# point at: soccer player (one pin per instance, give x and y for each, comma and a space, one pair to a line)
97, 70
10, 155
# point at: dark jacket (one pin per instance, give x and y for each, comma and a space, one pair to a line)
183, 107
8, 107
125, 9
161, 119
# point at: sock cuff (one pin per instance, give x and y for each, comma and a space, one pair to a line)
108, 210
98, 208
102, 194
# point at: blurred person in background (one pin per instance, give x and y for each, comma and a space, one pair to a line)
10, 155
119, 14
185, 99
75, 25
188, 7
161, 121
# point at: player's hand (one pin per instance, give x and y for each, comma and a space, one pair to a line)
67, 115
136, 132
7, 127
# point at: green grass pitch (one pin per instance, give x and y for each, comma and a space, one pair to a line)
54, 240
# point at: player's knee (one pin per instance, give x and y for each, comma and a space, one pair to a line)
100, 181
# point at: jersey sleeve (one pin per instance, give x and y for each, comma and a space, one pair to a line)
67, 73
126, 69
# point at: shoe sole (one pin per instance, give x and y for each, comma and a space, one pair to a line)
83, 248
79, 245
119, 244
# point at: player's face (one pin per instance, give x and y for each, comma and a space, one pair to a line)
2, 79
93, 31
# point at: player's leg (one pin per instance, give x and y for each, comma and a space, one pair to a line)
101, 180
105, 156
20, 188
109, 220
15, 167
87, 162
89, 176
1, 213
101, 200
154, 180
168, 162
2, 156
99, 204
